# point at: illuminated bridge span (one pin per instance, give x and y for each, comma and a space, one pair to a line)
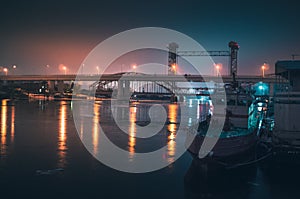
135, 77
126, 82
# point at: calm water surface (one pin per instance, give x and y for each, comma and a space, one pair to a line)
38, 136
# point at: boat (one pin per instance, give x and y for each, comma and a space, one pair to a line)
38, 96
244, 113
152, 97
63, 95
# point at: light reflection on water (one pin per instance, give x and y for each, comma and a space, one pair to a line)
12, 128
62, 135
132, 132
36, 133
7, 139
172, 128
95, 136
137, 114
3, 127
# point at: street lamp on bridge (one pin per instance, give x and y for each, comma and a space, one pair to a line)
65, 69
263, 68
5, 70
134, 67
174, 68
218, 68
14, 67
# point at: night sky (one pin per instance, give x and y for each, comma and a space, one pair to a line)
34, 34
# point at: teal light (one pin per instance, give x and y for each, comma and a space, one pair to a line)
261, 89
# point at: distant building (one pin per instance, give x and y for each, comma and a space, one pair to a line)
290, 70
286, 134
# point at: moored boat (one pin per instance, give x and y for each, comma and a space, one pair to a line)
240, 133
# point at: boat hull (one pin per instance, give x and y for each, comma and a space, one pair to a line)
226, 147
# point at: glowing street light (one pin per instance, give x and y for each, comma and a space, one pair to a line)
218, 67
134, 67
174, 68
5, 70
65, 69
263, 68
14, 69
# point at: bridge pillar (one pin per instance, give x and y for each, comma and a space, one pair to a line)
60, 86
124, 90
51, 86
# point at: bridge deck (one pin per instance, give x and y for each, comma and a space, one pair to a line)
132, 77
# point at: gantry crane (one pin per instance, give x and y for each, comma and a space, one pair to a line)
232, 53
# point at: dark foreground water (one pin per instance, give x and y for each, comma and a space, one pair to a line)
42, 157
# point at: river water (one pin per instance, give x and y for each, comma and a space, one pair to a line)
42, 156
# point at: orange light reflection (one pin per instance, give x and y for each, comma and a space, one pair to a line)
132, 132
172, 128
62, 135
95, 136
3, 127
12, 128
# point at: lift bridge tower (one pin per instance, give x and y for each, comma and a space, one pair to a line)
232, 53
234, 47
172, 61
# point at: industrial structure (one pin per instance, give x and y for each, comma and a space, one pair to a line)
232, 53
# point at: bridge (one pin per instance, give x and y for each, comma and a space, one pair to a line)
126, 82
136, 77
